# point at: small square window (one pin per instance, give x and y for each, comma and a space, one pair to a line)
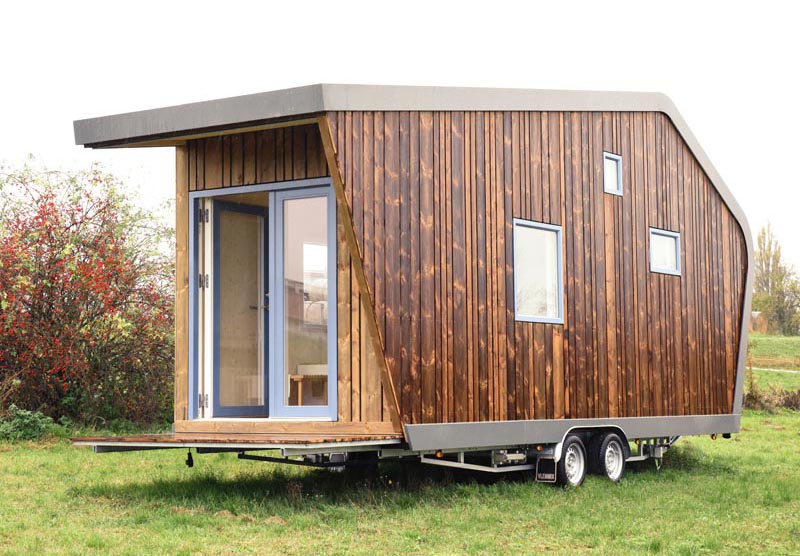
612, 173
665, 251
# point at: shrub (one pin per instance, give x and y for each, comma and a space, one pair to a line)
754, 397
21, 424
9, 383
769, 399
86, 295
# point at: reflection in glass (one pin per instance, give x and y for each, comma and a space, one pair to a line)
611, 174
240, 313
305, 291
536, 272
663, 252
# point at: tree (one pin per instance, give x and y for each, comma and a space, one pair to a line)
86, 325
776, 289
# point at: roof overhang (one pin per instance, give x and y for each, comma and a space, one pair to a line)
155, 127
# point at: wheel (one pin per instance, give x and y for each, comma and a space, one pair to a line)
612, 457
571, 469
593, 454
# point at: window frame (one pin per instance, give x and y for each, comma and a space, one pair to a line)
277, 405
521, 317
618, 161
670, 234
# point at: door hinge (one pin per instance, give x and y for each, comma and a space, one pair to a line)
202, 281
202, 216
202, 401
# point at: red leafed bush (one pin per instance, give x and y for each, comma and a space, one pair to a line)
86, 297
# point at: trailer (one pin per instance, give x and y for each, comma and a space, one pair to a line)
492, 279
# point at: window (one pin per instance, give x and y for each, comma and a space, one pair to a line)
538, 277
665, 251
612, 173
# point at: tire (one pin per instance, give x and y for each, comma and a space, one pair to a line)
571, 468
611, 457
593, 453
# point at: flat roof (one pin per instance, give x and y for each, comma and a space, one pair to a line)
260, 108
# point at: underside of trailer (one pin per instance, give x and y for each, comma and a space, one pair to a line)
557, 451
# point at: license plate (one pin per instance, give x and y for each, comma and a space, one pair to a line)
546, 470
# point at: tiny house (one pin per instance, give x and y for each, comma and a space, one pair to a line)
492, 279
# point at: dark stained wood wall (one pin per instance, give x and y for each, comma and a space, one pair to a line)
293, 153
433, 196
268, 156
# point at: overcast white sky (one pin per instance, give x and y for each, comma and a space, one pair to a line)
732, 71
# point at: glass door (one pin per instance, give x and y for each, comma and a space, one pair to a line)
253, 356
303, 372
241, 305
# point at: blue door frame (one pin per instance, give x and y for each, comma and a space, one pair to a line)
250, 410
303, 188
278, 407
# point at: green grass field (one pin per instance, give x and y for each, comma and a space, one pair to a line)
777, 379
775, 352
739, 496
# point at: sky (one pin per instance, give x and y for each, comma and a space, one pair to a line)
731, 70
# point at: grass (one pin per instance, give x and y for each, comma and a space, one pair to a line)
774, 379
775, 352
711, 497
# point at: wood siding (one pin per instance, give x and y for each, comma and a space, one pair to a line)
270, 156
432, 197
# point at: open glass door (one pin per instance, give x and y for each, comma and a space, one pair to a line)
251, 359
240, 310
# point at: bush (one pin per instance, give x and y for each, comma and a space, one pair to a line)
769, 399
21, 424
86, 297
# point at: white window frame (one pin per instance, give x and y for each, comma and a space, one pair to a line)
670, 234
618, 161
519, 222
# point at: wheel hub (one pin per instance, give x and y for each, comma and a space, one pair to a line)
614, 460
573, 464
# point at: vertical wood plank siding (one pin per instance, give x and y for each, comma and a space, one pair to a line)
269, 156
433, 195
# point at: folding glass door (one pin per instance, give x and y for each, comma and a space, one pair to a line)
240, 300
253, 356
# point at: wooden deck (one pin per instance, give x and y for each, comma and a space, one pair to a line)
244, 441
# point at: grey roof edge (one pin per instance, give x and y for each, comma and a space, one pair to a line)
133, 127
137, 127
243, 110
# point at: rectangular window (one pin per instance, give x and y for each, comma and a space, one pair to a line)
665, 251
538, 275
612, 173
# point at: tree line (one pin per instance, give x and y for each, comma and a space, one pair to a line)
776, 291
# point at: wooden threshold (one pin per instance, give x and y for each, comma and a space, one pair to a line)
295, 428
233, 440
